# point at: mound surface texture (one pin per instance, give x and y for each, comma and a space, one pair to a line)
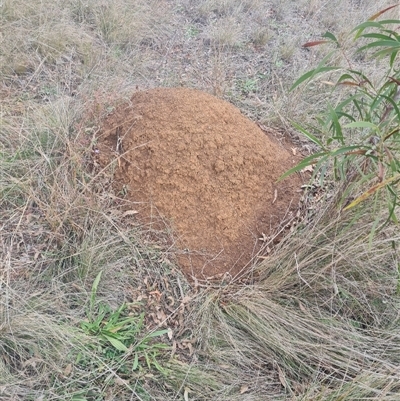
195, 161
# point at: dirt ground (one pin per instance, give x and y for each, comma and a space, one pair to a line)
194, 162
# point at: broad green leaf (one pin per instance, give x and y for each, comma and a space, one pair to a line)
330, 35
116, 343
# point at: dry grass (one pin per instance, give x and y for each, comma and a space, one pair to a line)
321, 321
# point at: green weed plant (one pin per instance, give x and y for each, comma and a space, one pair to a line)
119, 336
360, 136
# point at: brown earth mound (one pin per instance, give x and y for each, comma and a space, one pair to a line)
197, 162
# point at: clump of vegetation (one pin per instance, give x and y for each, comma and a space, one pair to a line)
359, 137
118, 336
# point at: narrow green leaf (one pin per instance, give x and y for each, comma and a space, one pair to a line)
392, 205
346, 115
392, 58
368, 24
380, 43
311, 74
94, 290
391, 133
345, 149
359, 108
310, 136
362, 124
320, 68
363, 77
135, 361
390, 100
337, 129
345, 76
377, 36
304, 163
372, 233
385, 52
157, 333
389, 21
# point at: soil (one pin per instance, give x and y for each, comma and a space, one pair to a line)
194, 161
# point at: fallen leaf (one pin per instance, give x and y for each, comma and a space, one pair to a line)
302, 308
186, 394
328, 83
282, 377
308, 169
186, 299
68, 370
121, 382
173, 350
170, 333
244, 389
130, 213
275, 196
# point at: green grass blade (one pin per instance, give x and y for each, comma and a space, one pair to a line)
320, 69
368, 24
385, 52
304, 163
135, 361
337, 129
345, 149
377, 36
380, 43
157, 333
310, 136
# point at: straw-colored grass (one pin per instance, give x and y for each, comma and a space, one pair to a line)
317, 320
